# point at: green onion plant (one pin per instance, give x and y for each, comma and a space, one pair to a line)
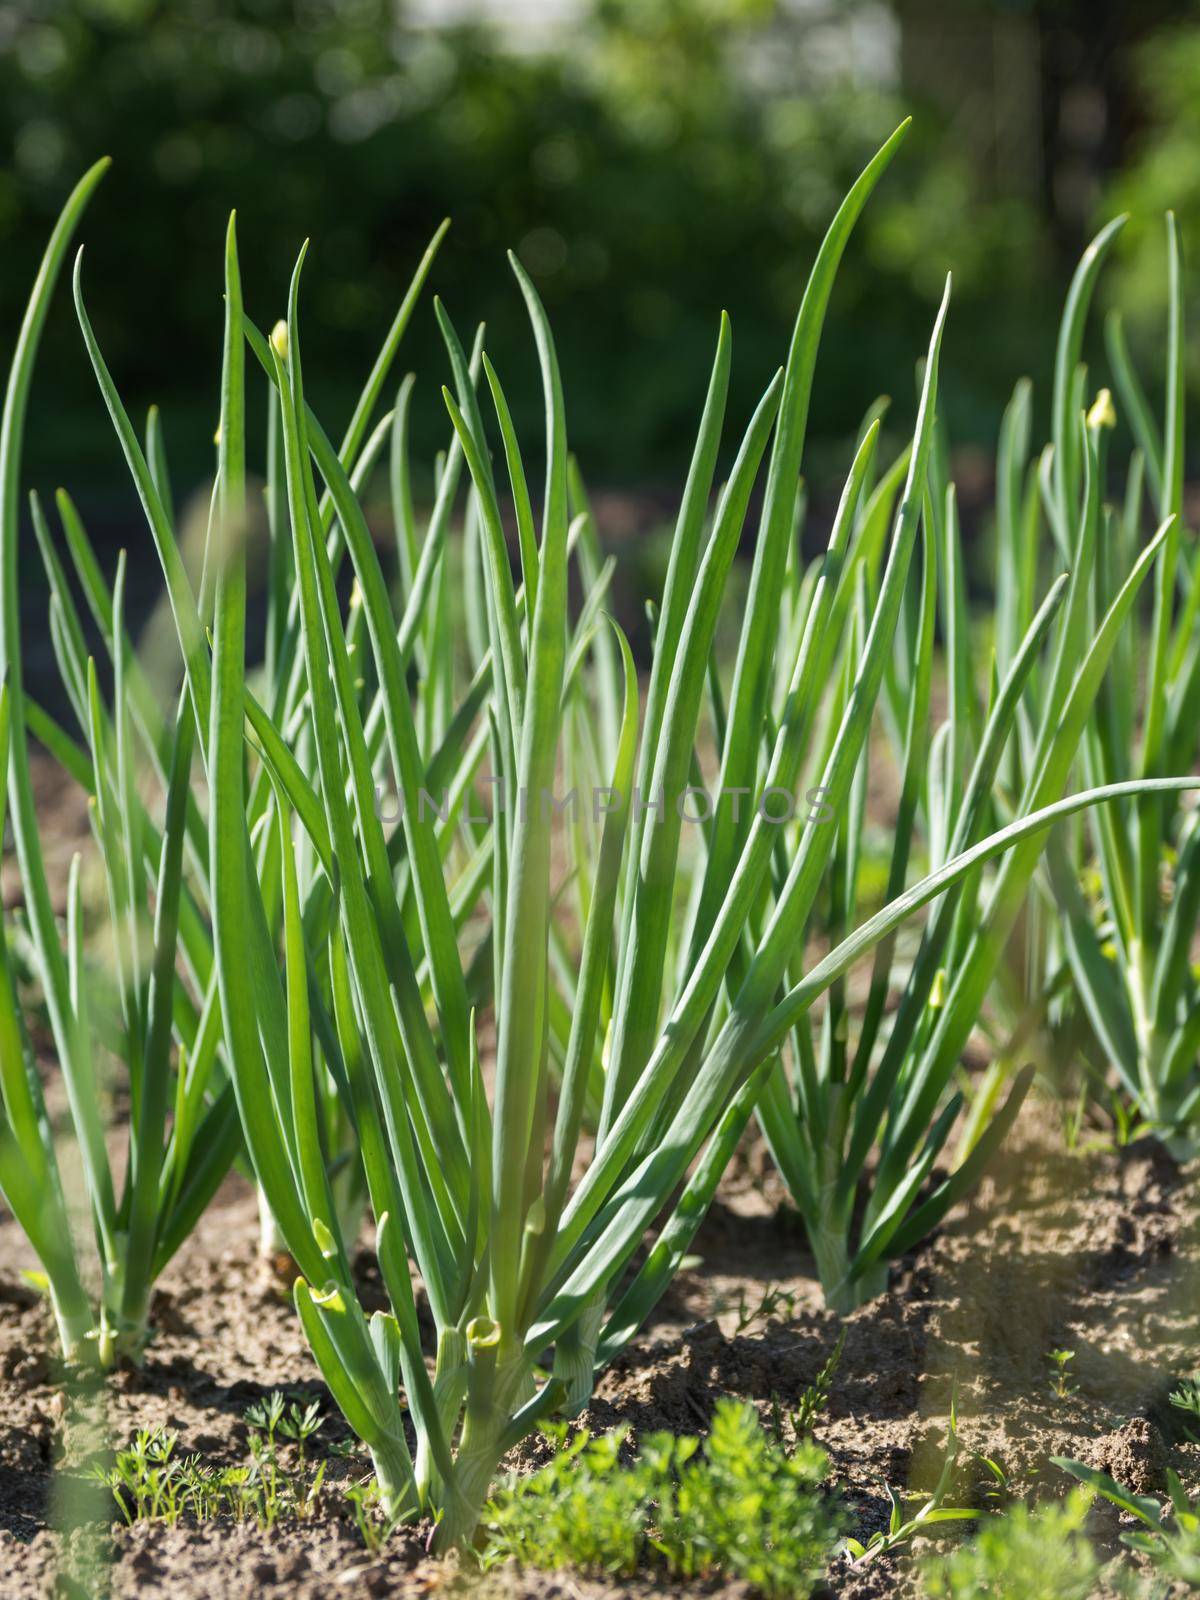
179, 1144
137, 984
865, 1087
357, 964
1131, 951
531, 1277
1121, 896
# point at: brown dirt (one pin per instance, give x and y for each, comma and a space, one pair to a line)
1094, 1252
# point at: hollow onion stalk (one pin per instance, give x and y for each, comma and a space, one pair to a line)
1053, 706
530, 1275
178, 1148
136, 984
1124, 893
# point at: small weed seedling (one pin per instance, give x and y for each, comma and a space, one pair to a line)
901, 1528
269, 1481
151, 1482
275, 1416
1059, 1379
734, 1504
1187, 1399
814, 1399
1039, 1553
772, 1302
992, 1488
148, 1481
1169, 1531
375, 1528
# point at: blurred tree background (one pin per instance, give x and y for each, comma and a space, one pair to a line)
650, 160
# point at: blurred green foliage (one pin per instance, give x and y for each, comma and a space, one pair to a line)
1162, 171
1030, 1553
658, 161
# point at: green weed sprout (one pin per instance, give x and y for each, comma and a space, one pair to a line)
1060, 1381
932, 1510
151, 1481
1169, 1530
1029, 1553
734, 1504
1186, 1398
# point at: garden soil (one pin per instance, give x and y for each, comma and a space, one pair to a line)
1095, 1250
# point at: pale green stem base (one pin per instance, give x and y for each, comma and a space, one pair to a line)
831, 1253
575, 1358
474, 1470
449, 1387
393, 1474
76, 1328
483, 1444
270, 1241
128, 1331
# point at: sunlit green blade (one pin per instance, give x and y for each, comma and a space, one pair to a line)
684, 560
606, 675
373, 927
343, 1352
130, 816
23, 810
875, 1103
672, 1244
880, 1226
24, 1107
216, 1143
179, 590
290, 776
409, 775
1134, 402
314, 1185
526, 532
1095, 977
404, 515
155, 1101
373, 388
1066, 467
868, 934
1150, 811
920, 1222
1179, 926
757, 643
644, 947
82, 1092
1013, 563
522, 998
971, 981
916, 750
709, 1091
234, 889
594, 962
